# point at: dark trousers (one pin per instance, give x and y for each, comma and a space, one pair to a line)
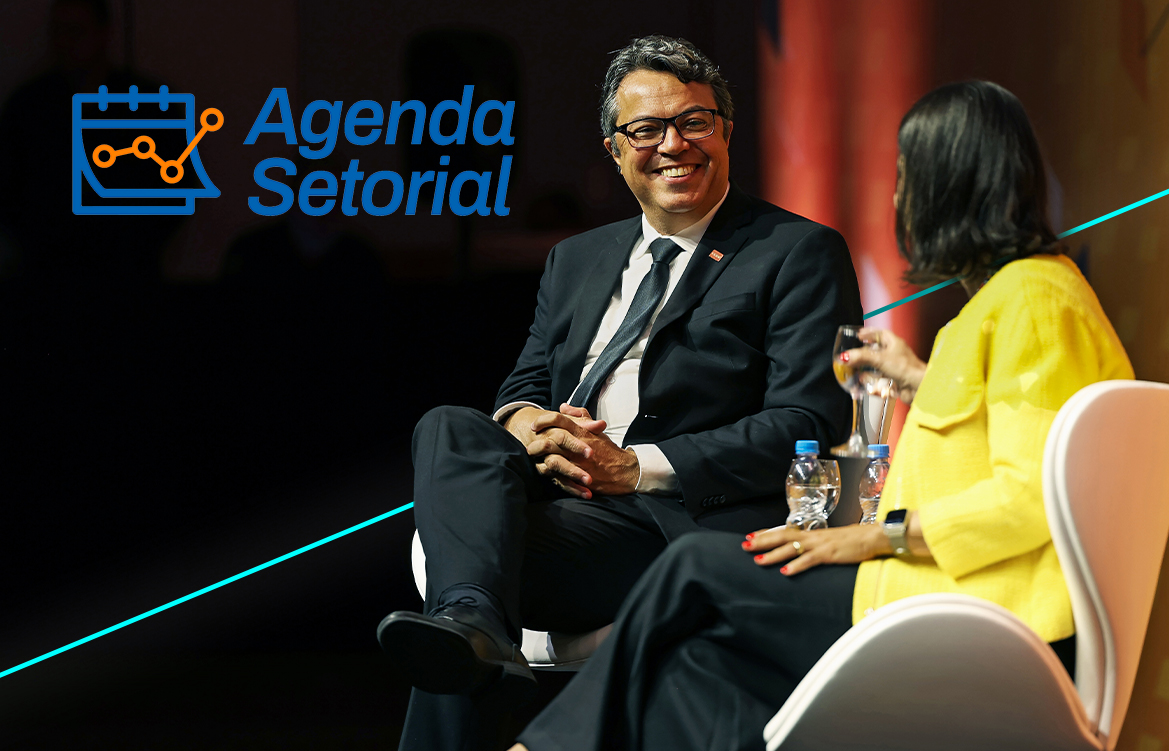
705, 651
485, 516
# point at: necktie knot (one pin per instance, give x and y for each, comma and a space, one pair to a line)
664, 249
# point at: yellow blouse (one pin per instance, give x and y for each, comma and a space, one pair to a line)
970, 455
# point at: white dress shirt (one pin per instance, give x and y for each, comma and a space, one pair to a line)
618, 400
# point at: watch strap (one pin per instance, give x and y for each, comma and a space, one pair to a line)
896, 530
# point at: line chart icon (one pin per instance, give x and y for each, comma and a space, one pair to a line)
153, 124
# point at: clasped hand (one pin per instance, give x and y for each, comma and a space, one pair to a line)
572, 449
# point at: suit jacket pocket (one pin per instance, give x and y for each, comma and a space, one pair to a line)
745, 301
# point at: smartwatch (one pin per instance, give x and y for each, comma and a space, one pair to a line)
895, 526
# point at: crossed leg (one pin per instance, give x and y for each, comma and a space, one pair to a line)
486, 517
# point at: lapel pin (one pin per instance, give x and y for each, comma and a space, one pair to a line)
716, 255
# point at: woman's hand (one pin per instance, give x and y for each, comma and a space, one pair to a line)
803, 550
892, 357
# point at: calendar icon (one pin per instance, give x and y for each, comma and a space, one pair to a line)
138, 153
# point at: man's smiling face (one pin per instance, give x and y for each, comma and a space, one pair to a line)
678, 181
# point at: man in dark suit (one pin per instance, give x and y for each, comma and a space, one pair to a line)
674, 360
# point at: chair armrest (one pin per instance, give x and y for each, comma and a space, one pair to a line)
935, 671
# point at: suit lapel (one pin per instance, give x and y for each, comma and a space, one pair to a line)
594, 299
723, 236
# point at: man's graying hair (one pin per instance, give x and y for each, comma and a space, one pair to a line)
672, 55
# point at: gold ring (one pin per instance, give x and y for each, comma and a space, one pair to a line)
799, 548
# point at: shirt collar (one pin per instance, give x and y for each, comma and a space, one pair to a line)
688, 238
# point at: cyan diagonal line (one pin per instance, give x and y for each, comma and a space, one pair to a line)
406, 507
1118, 212
1061, 236
912, 297
205, 590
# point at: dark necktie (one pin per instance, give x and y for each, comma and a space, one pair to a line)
645, 301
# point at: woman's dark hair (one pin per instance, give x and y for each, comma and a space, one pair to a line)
972, 194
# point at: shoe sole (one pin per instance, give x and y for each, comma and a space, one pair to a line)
441, 661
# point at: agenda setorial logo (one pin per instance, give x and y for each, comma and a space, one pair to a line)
382, 192
112, 128
121, 145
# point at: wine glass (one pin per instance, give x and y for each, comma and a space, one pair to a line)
851, 378
876, 383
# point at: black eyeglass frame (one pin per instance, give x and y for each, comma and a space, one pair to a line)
666, 122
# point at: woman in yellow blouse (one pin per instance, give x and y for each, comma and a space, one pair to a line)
713, 639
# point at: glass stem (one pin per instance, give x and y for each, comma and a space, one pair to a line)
856, 442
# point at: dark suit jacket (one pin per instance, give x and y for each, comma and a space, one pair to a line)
739, 362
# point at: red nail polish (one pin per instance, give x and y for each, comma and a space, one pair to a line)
750, 535
759, 557
844, 357
747, 545
783, 570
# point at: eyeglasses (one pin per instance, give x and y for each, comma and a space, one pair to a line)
648, 132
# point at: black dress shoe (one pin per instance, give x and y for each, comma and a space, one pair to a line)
456, 651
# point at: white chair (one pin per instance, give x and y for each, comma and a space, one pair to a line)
568, 652
955, 672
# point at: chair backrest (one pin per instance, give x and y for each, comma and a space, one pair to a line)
1106, 493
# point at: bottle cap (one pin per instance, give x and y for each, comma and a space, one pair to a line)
879, 450
807, 447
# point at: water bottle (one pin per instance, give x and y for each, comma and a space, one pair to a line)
806, 488
873, 482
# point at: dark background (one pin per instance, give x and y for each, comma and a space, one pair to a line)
185, 398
